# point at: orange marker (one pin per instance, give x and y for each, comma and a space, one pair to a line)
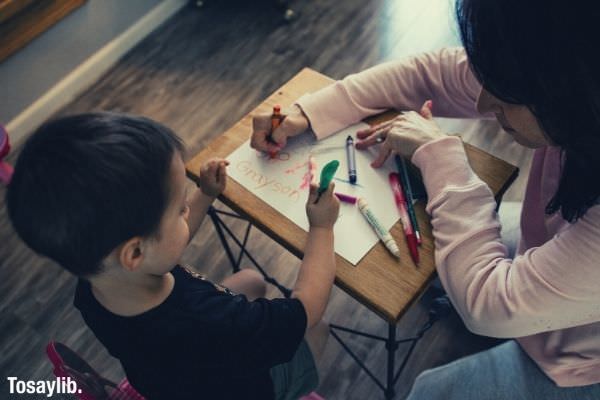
276, 119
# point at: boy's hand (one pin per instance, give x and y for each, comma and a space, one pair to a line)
213, 176
294, 123
325, 212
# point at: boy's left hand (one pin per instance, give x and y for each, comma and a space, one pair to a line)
213, 176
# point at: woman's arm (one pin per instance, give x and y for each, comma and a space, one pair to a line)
549, 287
443, 76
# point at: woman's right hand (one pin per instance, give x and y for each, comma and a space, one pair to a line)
294, 123
325, 212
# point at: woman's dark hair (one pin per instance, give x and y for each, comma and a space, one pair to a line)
84, 184
543, 54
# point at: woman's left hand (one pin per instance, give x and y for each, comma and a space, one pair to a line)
401, 135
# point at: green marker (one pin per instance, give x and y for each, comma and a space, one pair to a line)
327, 174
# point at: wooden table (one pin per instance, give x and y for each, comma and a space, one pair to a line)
379, 281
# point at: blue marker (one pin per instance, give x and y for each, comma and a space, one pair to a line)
351, 159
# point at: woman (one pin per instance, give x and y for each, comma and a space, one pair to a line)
532, 65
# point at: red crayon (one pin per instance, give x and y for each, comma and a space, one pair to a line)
411, 238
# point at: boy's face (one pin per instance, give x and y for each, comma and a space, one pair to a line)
160, 255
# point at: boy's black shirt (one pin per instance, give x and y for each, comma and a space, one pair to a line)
202, 342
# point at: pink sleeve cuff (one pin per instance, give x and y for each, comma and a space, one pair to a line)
444, 164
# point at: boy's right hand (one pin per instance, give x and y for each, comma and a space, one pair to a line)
325, 212
294, 123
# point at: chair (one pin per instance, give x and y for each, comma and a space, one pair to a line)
92, 385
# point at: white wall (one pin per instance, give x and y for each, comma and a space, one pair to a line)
31, 72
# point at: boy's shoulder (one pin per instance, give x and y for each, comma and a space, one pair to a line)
198, 317
191, 289
185, 272
194, 305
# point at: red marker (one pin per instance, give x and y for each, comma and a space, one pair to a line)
276, 119
411, 238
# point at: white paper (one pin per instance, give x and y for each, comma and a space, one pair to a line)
282, 183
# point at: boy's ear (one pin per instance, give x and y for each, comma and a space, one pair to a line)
130, 254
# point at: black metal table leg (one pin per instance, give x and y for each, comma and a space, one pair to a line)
222, 229
440, 307
212, 212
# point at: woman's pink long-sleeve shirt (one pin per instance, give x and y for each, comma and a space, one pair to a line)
548, 296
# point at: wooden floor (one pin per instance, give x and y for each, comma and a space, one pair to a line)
199, 73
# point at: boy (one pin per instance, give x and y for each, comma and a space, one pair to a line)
104, 195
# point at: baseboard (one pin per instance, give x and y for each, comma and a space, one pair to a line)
88, 72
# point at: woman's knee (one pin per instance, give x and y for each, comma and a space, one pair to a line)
448, 382
427, 386
473, 377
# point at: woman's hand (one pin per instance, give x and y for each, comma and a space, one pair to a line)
401, 135
213, 177
294, 123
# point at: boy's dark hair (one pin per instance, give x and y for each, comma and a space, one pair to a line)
543, 54
84, 184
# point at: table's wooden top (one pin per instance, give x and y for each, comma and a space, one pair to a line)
379, 281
